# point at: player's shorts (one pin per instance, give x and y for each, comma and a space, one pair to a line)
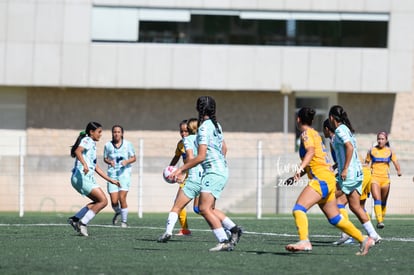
192, 189
325, 185
381, 181
214, 183
125, 182
84, 184
352, 182
366, 183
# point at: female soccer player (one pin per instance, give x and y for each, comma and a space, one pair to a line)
320, 189
83, 180
350, 175
211, 155
191, 188
341, 198
180, 152
119, 154
379, 157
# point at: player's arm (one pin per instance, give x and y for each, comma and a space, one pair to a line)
106, 158
310, 152
79, 156
396, 164
101, 173
224, 148
349, 150
131, 159
202, 153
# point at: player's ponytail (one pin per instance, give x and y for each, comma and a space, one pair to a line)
206, 106
92, 126
339, 114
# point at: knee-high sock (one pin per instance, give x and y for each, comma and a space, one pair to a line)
348, 227
172, 219
343, 211
378, 210
183, 219
124, 214
88, 217
301, 221
384, 209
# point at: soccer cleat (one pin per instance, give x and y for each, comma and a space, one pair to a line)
365, 246
350, 241
304, 245
344, 238
164, 238
124, 225
184, 232
380, 225
377, 239
236, 233
223, 246
83, 230
115, 219
73, 221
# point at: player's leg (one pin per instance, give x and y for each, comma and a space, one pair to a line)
183, 219
180, 202
354, 200
376, 195
124, 207
99, 202
235, 230
385, 191
307, 198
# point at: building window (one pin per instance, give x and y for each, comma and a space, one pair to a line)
242, 28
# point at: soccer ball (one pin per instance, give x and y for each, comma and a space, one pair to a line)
167, 172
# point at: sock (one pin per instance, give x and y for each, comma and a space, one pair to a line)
370, 229
343, 211
82, 212
116, 208
88, 217
220, 234
383, 210
228, 223
124, 214
378, 210
348, 227
301, 220
171, 220
183, 219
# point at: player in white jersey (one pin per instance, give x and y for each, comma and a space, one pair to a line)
119, 154
350, 173
211, 155
83, 179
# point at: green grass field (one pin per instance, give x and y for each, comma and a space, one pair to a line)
43, 243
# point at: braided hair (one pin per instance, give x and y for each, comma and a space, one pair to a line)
92, 126
206, 106
339, 114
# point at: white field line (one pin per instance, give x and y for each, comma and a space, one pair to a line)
394, 239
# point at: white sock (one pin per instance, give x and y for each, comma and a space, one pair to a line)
220, 234
228, 224
370, 229
88, 217
172, 219
124, 214
82, 212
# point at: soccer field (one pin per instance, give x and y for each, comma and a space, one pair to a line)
43, 243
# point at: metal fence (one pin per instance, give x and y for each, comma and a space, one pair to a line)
37, 178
